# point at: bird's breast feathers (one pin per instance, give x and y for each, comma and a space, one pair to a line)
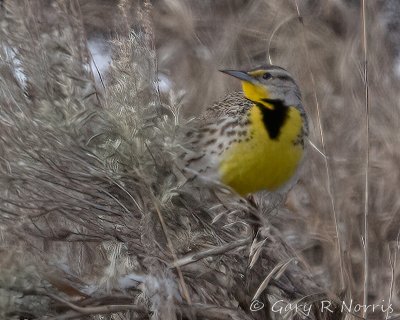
259, 160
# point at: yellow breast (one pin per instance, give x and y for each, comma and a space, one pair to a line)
259, 162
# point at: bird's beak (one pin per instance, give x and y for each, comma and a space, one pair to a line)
242, 75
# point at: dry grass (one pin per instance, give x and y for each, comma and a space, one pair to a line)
96, 217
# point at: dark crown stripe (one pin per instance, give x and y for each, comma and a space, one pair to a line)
273, 119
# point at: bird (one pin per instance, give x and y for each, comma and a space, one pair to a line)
251, 140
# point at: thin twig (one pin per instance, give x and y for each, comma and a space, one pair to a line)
392, 262
84, 310
204, 311
273, 34
210, 252
316, 148
85, 41
174, 256
327, 166
149, 30
278, 269
366, 211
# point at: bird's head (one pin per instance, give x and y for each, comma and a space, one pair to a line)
268, 82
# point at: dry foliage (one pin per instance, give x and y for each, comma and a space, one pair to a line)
96, 219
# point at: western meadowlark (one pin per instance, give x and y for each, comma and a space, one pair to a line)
251, 140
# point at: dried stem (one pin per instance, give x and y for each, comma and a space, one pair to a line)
392, 262
210, 252
366, 200
330, 187
174, 256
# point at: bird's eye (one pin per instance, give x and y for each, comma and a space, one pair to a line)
267, 76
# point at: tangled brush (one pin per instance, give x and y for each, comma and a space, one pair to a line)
96, 219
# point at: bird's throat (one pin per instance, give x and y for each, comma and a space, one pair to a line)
273, 118
274, 112
256, 93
